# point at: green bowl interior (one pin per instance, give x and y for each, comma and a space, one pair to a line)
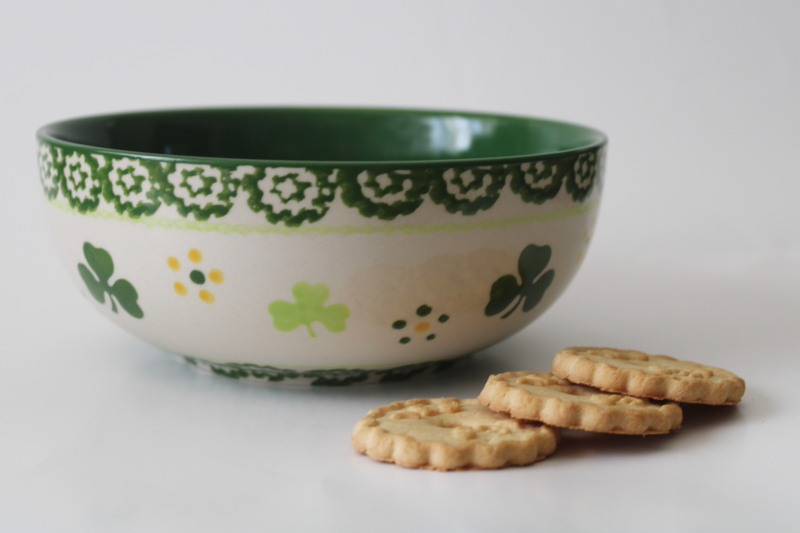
319, 134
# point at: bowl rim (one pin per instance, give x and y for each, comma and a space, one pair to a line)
42, 135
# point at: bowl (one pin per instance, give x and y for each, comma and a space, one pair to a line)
323, 246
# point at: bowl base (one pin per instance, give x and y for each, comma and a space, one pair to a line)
329, 377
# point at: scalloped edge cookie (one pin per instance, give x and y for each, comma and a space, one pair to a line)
658, 377
545, 398
450, 434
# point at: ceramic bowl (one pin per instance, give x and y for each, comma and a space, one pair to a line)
320, 246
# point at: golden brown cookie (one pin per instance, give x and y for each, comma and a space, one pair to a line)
649, 376
545, 398
450, 434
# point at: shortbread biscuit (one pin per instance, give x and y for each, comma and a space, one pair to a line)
450, 434
658, 377
545, 398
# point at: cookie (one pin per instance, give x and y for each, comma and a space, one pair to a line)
545, 398
658, 377
450, 434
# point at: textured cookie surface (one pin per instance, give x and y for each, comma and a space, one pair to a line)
450, 434
543, 397
658, 377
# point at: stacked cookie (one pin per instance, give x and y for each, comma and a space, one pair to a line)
515, 419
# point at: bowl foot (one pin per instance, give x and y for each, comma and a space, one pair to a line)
329, 377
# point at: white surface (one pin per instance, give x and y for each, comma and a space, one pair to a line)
696, 255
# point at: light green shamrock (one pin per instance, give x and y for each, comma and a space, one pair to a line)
309, 308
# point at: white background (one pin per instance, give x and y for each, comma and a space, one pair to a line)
695, 255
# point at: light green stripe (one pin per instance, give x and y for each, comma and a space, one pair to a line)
267, 229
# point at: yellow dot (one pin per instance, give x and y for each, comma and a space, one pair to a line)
173, 263
206, 296
422, 327
215, 276
195, 256
180, 288
586, 235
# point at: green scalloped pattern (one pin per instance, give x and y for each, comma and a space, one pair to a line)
49, 174
410, 184
333, 377
80, 181
386, 229
539, 181
191, 188
453, 187
278, 180
581, 175
293, 197
130, 185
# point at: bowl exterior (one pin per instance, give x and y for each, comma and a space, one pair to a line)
320, 274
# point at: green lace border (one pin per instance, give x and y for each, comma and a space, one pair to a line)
292, 197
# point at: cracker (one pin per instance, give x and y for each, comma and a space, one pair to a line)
545, 398
658, 377
450, 434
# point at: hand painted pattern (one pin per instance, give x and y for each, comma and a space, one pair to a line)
138, 187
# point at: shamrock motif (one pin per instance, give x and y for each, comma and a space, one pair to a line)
309, 308
532, 261
103, 267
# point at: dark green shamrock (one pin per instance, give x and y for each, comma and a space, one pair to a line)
100, 262
310, 307
532, 261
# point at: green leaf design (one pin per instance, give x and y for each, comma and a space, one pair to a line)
504, 291
100, 261
309, 307
96, 280
532, 262
127, 297
94, 286
533, 293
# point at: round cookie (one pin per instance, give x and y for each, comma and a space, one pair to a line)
450, 434
545, 398
658, 377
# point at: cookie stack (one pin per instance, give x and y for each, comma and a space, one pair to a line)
515, 419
